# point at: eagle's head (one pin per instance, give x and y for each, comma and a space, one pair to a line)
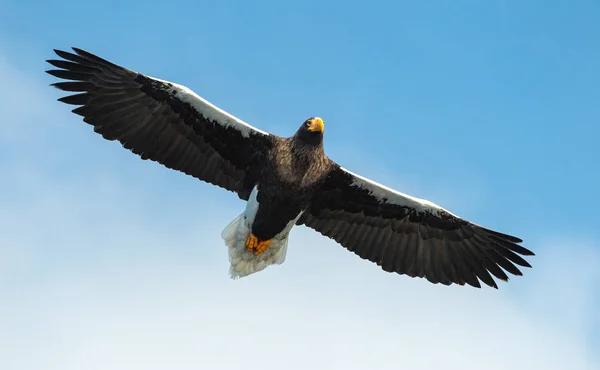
311, 130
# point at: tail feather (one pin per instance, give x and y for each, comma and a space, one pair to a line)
244, 263
229, 232
280, 256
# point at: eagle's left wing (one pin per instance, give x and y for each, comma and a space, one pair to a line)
408, 235
163, 121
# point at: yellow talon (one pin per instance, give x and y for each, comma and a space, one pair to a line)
251, 242
262, 246
256, 246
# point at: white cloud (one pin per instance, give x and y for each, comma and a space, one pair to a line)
97, 273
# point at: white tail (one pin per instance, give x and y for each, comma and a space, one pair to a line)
244, 263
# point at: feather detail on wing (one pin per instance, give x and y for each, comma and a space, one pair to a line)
410, 236
162, 121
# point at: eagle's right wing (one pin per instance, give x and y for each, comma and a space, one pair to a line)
163, 121
408, 235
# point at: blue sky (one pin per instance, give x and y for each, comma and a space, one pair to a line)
488, 108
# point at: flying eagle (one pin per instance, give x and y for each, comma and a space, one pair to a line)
285, 181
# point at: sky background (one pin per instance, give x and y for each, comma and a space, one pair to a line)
488, 108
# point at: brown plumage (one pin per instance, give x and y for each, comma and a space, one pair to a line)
285, 180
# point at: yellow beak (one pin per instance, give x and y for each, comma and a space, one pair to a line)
317, 125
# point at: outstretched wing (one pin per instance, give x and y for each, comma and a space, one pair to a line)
163, 121
408, 235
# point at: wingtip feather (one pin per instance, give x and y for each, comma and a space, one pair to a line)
78, 50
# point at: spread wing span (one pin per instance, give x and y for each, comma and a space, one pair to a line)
162, 121
408, 235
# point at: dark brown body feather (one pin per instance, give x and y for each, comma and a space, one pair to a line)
294, 170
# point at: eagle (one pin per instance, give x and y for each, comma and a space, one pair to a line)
285, 181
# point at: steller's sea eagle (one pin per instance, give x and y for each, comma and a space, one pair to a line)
285, 181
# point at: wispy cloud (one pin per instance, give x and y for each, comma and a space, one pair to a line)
97, 272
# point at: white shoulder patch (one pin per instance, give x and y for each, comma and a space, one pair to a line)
383, 193
210, 111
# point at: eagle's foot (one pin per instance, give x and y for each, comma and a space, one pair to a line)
256, 246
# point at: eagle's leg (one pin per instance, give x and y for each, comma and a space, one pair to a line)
256, 246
